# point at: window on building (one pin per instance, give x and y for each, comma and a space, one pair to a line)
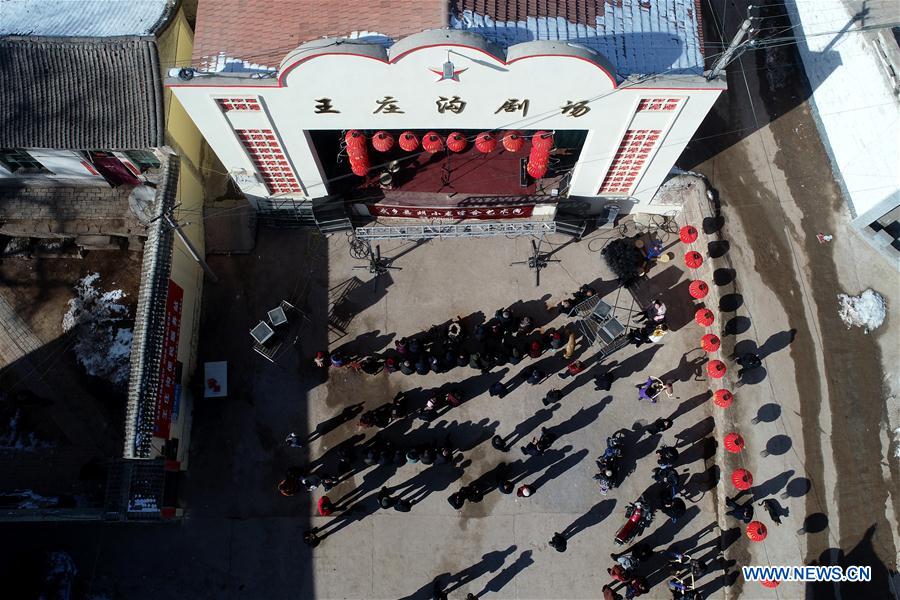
144, 159
228, 104
21, 163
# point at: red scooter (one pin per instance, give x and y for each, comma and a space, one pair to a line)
639, 517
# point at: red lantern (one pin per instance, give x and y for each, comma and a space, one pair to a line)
723, 398
513, 141
456, 142
536, 170
688, 234
542, 140
734, 442
355, 139
710, 342
698, 289
432, 142
693, 259
742, 479
756, 531
382, 141
716, 369
485, 143
408, 141
704, 317
770, 583
359, 159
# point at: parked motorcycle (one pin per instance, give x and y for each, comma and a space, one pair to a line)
639, 518
607, 478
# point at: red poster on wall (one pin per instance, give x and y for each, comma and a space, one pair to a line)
168, 368
456, 212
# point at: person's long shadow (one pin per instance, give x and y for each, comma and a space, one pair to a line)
436, 478
777, 341
489, 563
666, 532
687, 367
530, 424
637, 362
558, 468
690, 404
519, 469
501, 579
329, 425
595, 515
695, 432
581, 419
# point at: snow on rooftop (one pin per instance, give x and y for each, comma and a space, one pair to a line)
636, 37
80, 18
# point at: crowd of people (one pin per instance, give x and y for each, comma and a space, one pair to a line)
506, 338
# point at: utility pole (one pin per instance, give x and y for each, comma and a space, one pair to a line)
731, 52
184, 239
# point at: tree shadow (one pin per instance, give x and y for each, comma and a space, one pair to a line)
863, 554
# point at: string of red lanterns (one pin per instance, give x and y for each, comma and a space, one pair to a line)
539, 157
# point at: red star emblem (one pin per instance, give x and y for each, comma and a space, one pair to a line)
440, 74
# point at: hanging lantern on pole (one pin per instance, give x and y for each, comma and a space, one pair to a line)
770, 583
355, 139
742, 479
698, 289
688, 234
432, 142
734, 442
408, 141
382, 141
456, 142
710, 342
716, 369
513, 141
723, 398
693, 259
542, 140
756, 531
485, 142
704, 317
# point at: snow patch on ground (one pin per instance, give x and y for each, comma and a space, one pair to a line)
896, 442
103, 342
867, 310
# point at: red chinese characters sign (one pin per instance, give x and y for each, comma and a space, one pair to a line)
168, 368
455, 212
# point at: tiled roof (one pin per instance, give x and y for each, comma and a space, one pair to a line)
82, 18
261, 32
80, 94
636, 36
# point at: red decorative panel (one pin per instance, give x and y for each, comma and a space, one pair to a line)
227, 104
629, 161
168, 367
454, 212
658, 104
269, 160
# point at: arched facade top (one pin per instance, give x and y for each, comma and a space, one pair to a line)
451, 41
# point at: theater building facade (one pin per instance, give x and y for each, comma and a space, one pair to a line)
445, 125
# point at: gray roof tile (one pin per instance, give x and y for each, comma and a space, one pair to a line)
80, 93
